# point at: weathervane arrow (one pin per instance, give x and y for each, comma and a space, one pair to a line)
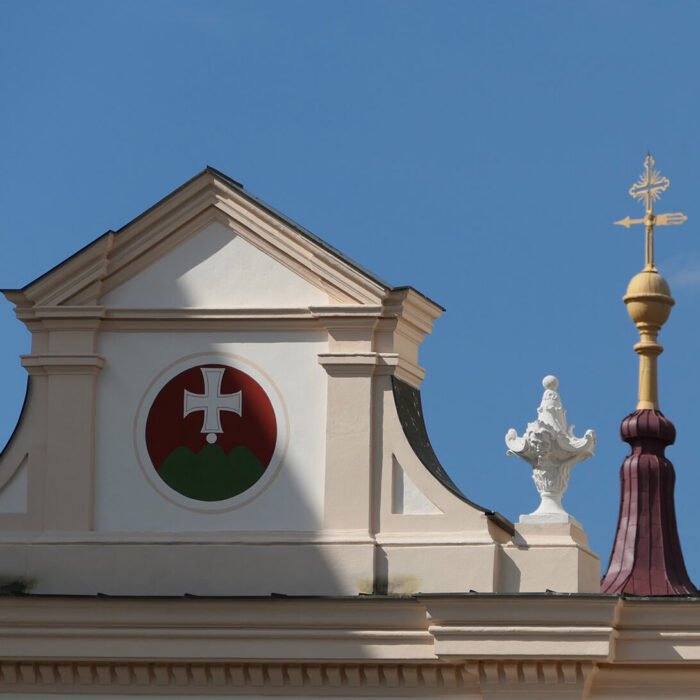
647, 190
674, 219
628, 221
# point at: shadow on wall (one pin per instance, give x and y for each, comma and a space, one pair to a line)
508, 574
15, 340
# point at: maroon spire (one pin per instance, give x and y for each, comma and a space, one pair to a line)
647, 557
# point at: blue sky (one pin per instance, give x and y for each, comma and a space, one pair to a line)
479, 151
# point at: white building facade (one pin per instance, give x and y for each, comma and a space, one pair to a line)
222, 484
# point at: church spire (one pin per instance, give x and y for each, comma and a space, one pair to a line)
647, 557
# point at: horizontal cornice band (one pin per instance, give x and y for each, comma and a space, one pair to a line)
62, 364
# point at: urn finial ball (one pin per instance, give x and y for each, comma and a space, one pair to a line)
550, 382
648, 299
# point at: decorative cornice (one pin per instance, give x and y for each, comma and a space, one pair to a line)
523, 627
239, 538
348, 316
114, 257
542, 646
61, 313
414, 308
219, 677
408, 372
79, 271
433, 539
428, 645
340, 314
346, 282
136, 247
357, 364
555, 679
62, 364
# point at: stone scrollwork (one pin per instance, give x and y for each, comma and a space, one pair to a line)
551, 448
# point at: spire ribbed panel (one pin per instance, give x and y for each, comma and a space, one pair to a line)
647, 558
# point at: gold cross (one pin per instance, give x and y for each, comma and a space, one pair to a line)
647, 190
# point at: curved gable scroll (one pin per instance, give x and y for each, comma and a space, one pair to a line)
409, 408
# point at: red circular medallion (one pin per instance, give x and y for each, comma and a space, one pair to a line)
211, 432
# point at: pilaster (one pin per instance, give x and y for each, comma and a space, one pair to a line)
348, 440
65, 367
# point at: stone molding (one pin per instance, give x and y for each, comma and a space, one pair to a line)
232, 678
489, 646
62, 364
111, 259
541, 646
239, 537
555, 679
356, 364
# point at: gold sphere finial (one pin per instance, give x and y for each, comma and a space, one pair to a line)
648, 299
649, 303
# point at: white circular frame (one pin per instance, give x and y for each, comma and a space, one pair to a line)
281, 416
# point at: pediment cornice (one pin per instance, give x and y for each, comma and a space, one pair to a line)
116, 256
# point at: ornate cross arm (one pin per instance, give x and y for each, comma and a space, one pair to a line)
673, 219
647, 190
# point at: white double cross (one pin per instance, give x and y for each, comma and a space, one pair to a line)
212, 402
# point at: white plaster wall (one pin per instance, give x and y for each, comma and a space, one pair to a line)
407, 498
215, 269
13, 497
125, 499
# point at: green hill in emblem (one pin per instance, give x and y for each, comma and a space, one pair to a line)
211, 474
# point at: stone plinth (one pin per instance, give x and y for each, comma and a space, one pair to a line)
550, 556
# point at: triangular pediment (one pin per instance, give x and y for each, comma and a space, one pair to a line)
208, 244
216, 268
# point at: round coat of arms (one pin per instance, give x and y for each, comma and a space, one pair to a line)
210, 432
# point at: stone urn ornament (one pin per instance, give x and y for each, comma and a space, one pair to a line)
550, 447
